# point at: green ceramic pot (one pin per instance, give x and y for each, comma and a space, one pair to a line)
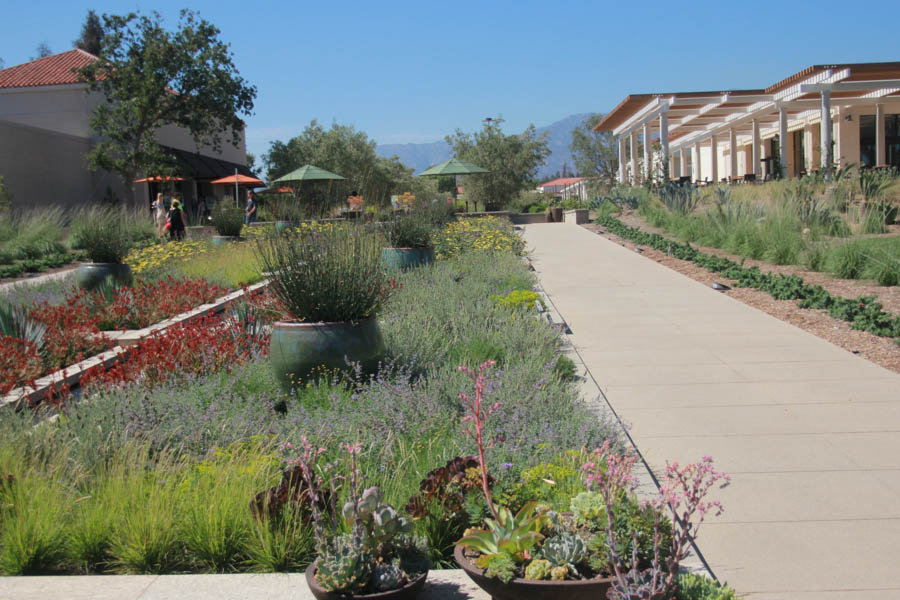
282, 225
405, 258
300, 351
89, 276
221, 240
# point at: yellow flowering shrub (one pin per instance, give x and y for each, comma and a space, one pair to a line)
147, 259
481, 234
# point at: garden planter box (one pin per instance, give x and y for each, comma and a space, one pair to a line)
72, 374
528, 218
405, 258
527, 589
579, 216
408, 592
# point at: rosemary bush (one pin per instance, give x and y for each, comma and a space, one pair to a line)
409, 232
105, 234
228, 220
328, 276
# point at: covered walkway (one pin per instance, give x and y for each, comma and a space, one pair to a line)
809, 433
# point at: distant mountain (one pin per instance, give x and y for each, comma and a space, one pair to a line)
422, 156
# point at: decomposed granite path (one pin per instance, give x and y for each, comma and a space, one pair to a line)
809, 433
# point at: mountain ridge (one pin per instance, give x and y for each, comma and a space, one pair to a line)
423, 155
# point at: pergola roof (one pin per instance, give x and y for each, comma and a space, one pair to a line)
694, 117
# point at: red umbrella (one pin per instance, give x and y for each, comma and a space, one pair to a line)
239, 179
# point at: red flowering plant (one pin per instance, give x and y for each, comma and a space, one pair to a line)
212, 344
20, 362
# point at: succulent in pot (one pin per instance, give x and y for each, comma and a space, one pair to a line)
409, 239
105, 235
331, 285
367, 549
228, 222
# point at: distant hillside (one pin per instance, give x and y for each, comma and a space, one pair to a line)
422, 156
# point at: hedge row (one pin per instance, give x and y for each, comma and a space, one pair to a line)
863, 313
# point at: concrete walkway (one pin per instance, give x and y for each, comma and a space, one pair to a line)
809, 433
441, 585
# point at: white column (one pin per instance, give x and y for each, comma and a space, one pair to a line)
685, 167
621, 159
714, 154
755, 148
664, 143
635, 175
647, 163
695, 156
825, 136
782, 140
732, 144
880, 157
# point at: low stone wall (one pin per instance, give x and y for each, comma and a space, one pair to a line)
528, 218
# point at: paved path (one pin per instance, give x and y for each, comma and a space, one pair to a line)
37, 279
441, 585
809, 433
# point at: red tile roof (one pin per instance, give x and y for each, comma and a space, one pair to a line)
50, 70
562, 181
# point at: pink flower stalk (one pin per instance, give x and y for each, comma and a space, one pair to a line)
478, 415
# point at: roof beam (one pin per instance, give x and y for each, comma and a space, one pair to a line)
849, 86
650, 110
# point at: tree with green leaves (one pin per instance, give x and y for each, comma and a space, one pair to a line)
43, 50
91, 34
595, 152
151, 78
512, 161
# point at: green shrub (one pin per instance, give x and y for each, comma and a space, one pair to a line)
105, 234
519, 300
699, 587
408, 232
847, 261
334, 275
228, 220
883, 266
565, 368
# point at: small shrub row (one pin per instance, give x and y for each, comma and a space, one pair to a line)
863, 313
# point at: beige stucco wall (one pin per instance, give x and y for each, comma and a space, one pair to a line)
43, 168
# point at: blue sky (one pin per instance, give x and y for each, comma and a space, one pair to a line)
416, 71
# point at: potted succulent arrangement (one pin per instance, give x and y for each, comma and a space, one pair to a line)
609, 545
367, 549
228, 222
105, 237
330, 285
409, 237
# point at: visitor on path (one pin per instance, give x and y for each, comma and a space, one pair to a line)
250, 214
175, 221
160, 207
201, 210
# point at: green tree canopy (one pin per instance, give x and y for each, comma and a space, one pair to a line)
152, 77
347, 152
91, 34
511, 159
595, 152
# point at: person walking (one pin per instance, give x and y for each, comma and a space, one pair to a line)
160, 215
175, 221
250, 213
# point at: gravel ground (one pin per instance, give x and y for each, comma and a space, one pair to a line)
881, 351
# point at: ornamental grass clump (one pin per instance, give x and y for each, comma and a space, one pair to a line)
103, 233
227, 220
329, 276
408, 232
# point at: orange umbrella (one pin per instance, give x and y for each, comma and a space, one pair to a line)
157, 179
239, 179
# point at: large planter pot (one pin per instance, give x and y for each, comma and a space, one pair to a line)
890, 215
404, 258
407, 592
527, 589
221, 240
297, 350
556, 214
282, 225
89, 276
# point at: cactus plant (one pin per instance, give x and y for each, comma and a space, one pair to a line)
559, 573
387, 576
346, 566
538, 569
565, 550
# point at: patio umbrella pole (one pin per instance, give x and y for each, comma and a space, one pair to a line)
236, 187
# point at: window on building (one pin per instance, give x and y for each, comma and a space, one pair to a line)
867, 150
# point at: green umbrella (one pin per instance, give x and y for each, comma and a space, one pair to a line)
454, 166
308, 173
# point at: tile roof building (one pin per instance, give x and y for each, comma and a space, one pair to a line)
45, 134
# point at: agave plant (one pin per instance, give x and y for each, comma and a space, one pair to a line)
14, 322
508, 533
